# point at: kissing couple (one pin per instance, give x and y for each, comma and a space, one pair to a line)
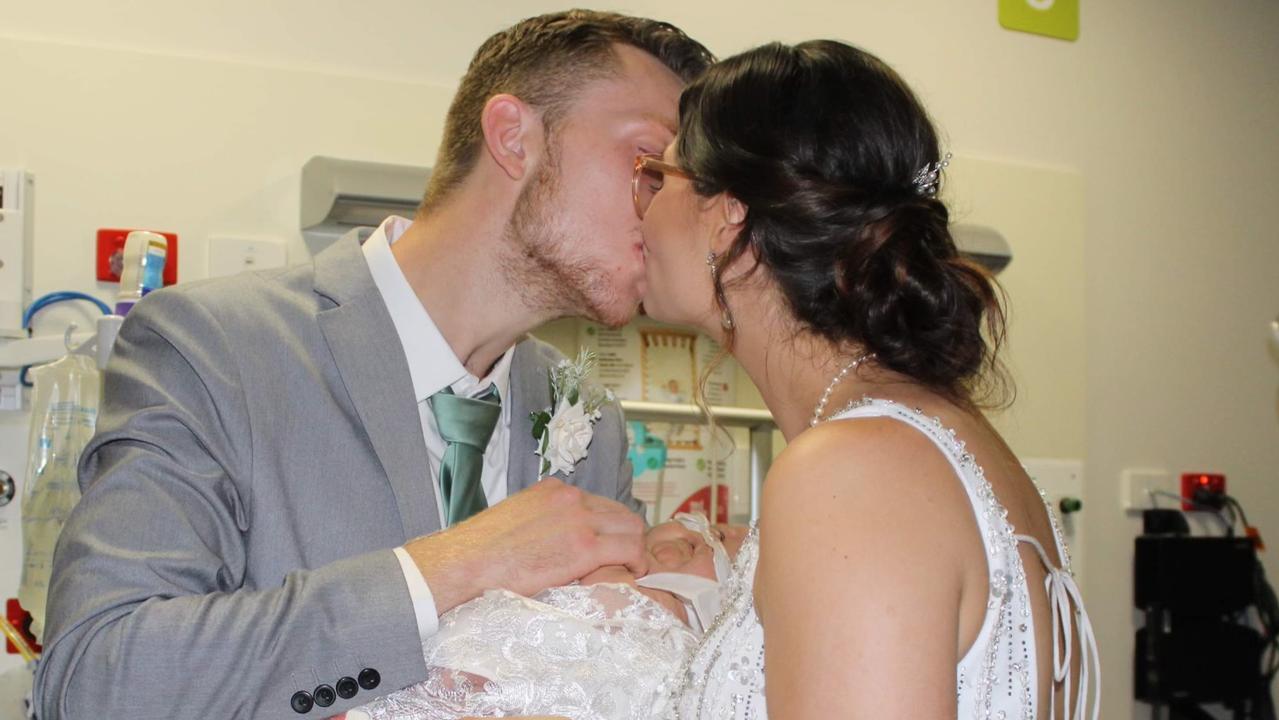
318, 489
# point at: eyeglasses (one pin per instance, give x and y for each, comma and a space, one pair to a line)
650, 173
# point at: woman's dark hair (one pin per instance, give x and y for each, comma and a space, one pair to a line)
822, 142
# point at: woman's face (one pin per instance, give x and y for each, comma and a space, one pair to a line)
677, 231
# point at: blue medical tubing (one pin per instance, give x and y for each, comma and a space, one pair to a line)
45, 301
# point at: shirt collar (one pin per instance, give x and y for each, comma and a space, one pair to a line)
432, 364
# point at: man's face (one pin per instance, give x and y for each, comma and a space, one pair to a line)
575, 224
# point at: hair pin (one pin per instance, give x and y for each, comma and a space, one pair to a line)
928, 180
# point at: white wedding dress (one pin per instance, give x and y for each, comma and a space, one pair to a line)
598, 652
607, 652
997, 679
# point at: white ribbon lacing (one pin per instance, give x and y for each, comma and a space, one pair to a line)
1068, 605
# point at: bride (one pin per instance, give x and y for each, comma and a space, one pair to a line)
904, 565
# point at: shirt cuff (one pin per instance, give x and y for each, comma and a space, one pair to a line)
428, 620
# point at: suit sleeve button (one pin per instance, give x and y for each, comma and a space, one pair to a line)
369, 678
347, 688
301, 702
324, 696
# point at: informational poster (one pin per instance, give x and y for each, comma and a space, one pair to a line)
675, 466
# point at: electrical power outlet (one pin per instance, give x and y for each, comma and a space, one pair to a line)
1213, 485
1144, 488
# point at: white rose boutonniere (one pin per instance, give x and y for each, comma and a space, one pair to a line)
564, 430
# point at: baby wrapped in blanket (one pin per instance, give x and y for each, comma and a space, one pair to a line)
606, 647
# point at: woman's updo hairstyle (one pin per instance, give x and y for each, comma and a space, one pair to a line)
823, 142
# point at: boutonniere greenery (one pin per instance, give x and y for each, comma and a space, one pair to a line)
564, 430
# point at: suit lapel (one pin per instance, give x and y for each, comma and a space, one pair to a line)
530, 392
371, 361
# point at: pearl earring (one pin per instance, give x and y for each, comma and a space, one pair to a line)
725, 316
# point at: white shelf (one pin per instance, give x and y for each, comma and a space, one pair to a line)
680, 413
37, 350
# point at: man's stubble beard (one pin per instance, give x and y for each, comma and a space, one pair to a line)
538, 262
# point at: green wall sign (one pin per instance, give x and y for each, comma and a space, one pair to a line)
1054, 18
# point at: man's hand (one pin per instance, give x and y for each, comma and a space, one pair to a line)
547, 535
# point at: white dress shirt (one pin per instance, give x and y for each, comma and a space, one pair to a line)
433, 367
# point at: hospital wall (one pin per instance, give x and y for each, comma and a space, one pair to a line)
1138, 331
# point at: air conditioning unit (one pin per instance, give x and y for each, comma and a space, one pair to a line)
983, 245
342, 195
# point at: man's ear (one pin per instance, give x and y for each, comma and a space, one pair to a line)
511, 131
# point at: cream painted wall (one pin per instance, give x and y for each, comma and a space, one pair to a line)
119, 138
1041, 212
1164, 112
1183, 270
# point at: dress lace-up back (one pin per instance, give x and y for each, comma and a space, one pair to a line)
997, 679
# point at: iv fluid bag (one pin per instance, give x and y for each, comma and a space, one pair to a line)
63, 414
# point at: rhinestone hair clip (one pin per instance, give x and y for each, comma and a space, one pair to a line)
928, 180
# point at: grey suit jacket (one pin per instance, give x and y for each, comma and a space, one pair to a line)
259, 453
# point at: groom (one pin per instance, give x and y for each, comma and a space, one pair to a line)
277, 451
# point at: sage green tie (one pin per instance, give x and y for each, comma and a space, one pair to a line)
466, 424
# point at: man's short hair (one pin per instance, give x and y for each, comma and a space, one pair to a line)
545, 61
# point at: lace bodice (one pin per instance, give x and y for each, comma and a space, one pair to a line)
996, 679
600, 652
